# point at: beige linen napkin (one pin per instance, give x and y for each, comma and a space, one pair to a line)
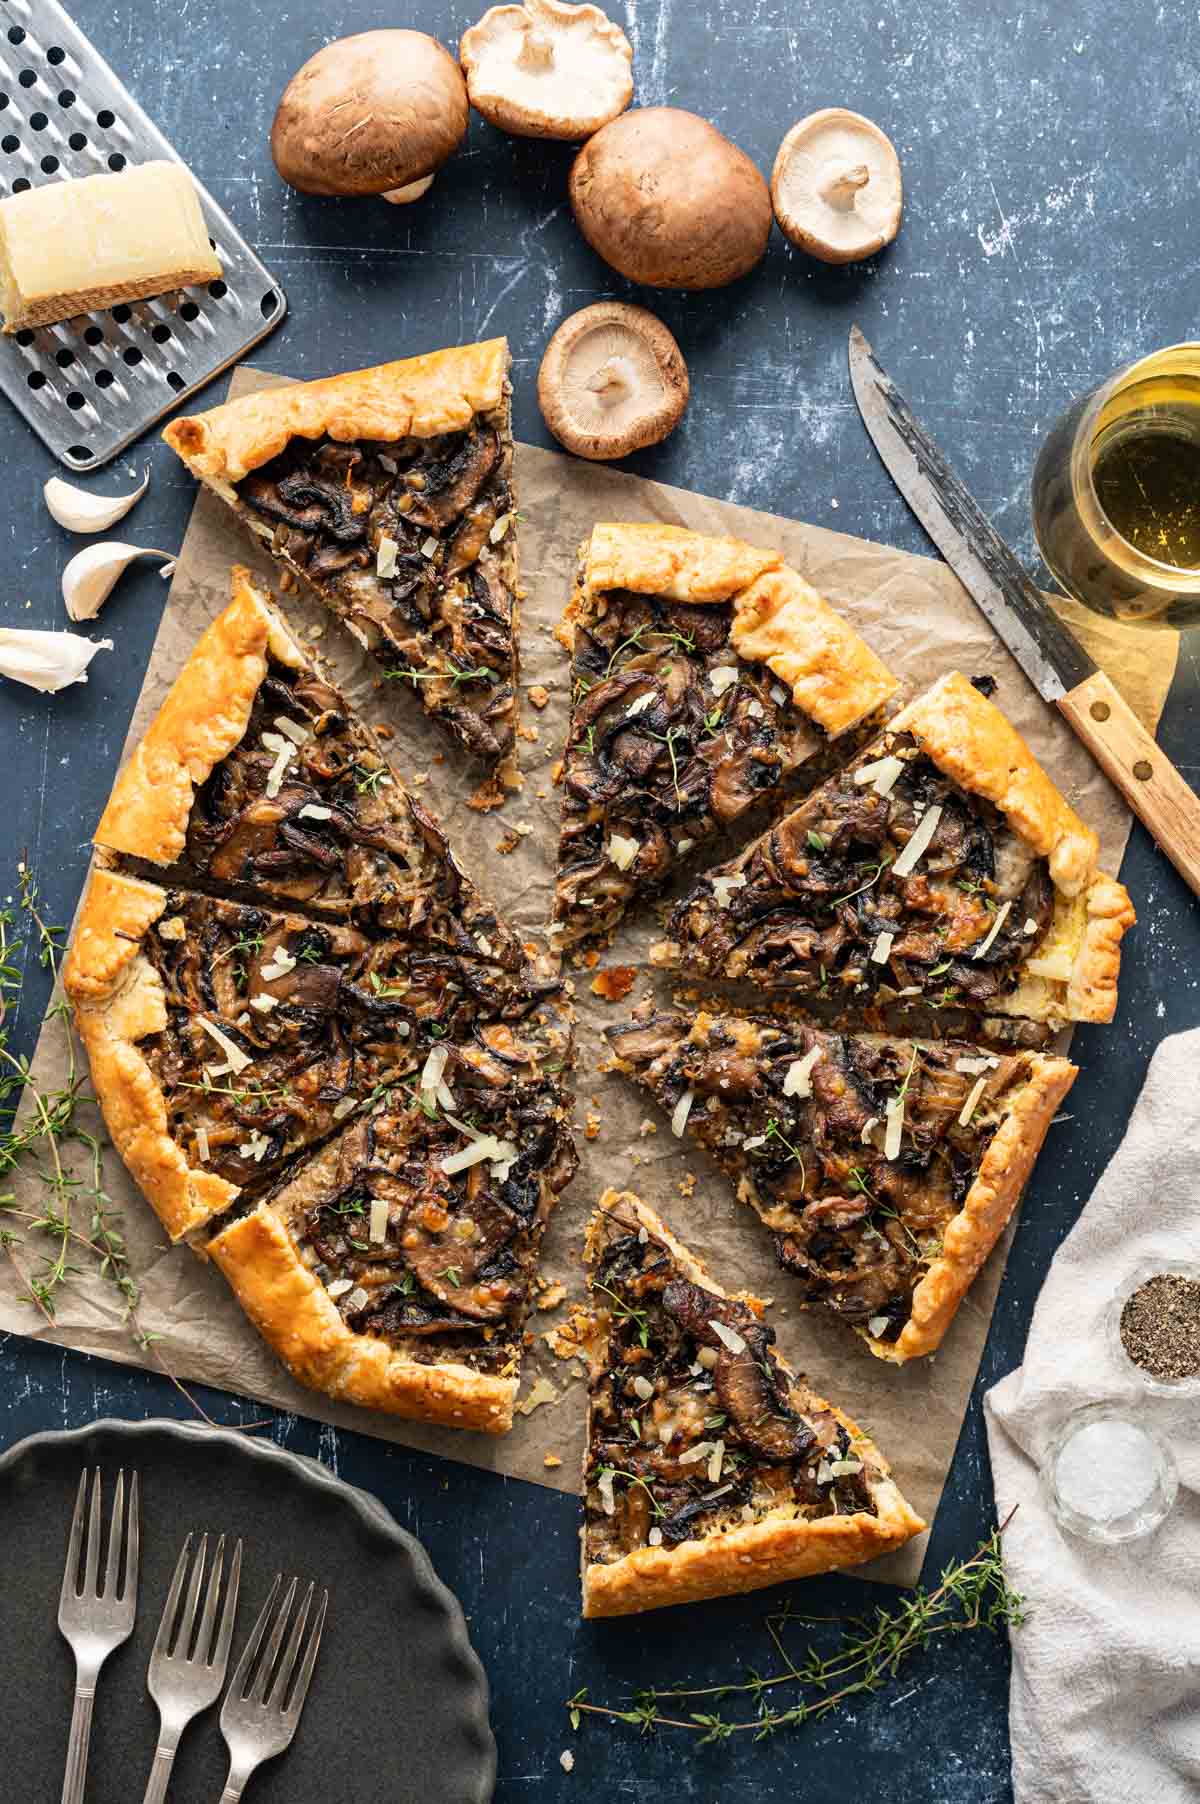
1105, 1699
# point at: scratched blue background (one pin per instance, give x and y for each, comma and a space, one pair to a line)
1052, 164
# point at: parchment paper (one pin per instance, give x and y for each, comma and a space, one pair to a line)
916, 615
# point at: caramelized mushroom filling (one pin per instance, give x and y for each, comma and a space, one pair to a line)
816, 904
304, 810
694, 1428
672, 736
799, 1119
410, 543
278, 1028
423, 1221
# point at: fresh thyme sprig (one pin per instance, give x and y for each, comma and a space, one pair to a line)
454, 674
973, 1594
625, 1313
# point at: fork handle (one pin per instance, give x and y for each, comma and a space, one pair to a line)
77, 1745
235, 1783
160, 1772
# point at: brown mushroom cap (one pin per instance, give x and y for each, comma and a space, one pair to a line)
612, 381
547, 70
836, 186
664, 198
369, 114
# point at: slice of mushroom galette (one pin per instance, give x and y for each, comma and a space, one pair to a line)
885, 1168
389, 492
706, 675
395, 1268
257, 777
710, 1468
940, 863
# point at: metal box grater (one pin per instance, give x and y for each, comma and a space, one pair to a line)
91, 385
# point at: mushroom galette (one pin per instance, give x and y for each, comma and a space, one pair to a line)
710, 1468
885, 1169
313, 966
389, 492
706, 675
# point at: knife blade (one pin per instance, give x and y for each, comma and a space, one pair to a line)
1051, 656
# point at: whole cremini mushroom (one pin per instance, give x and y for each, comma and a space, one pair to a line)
836, 186
667, 200
378, 113
547, 70
612, 381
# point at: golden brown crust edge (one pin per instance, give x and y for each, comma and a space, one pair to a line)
969, 739
297, 1318
779, 619
756, 1554
203, 716
974, 1231
440, 391
118, 1001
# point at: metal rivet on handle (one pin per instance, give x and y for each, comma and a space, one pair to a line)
1100, 710
1143, 770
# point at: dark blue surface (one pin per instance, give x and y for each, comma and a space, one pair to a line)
1051, 160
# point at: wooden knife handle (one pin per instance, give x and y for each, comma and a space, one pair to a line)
1126, 753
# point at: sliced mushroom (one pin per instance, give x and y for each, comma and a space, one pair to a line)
666, 199
612, 381
836, 186
547, 70
745, 1379
378, 113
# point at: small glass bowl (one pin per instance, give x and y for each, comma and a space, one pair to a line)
1144, 1517
1141, 1274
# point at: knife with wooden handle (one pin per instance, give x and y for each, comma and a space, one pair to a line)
1047, 651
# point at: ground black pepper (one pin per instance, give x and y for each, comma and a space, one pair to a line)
1160, 1326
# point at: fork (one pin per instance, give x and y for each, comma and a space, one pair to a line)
94, 1622
182, 1680
258, 1723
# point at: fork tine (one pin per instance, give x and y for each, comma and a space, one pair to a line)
92, 1556
70, 1582
310, 1659
237, 1685
204, 1637
116, 1538
279, 1684
225, 1633
190, 1602
258, 1695
133, 1554
166, 1628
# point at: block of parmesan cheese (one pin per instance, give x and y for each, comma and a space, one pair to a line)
73, 247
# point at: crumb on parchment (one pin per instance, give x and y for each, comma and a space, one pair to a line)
647, 1127
538, 694
552, 1296
591, 1127
687, 1183
614, 982
528, 732
551, 1461
542, 1392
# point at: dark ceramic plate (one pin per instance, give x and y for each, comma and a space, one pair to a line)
398, 1709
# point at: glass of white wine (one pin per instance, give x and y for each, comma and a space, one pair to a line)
1116, 493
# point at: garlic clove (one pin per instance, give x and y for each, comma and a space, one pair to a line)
45, 660
89, 578
78, 511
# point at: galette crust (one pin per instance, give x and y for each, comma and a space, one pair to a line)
974, 744
206, 712
973, 1232
296, 1316
672, 562
418, 397
834, 676
1089, 928
779, 619
767, 1552
118, 1000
